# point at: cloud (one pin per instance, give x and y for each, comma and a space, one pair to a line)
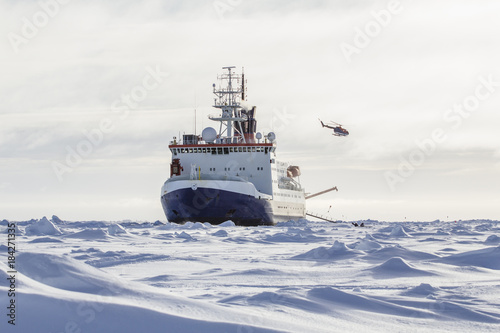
395, 92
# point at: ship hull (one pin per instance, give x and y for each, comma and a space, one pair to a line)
217, 202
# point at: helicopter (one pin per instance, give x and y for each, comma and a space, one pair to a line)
336, 127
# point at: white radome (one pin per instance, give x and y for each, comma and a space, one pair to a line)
209, 134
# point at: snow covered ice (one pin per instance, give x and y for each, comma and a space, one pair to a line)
297, 276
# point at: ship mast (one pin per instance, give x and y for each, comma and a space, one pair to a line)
228, 99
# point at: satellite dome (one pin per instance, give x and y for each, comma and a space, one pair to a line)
271, 136
258, 135
209, 134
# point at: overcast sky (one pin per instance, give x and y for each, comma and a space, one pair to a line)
417, 84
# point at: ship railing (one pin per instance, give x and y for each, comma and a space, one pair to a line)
225, 117
321, 217
224, 140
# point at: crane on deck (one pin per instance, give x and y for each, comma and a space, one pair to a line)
319, 216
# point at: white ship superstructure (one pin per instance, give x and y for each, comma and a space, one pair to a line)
232, 173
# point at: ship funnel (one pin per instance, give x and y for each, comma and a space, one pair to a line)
249, 126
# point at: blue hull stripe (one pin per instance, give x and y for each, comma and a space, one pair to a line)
216, 206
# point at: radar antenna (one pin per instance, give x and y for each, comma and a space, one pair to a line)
236, 123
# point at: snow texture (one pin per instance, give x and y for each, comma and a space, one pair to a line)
297, 276
42, 227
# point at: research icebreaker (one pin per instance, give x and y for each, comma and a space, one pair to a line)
231, 174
